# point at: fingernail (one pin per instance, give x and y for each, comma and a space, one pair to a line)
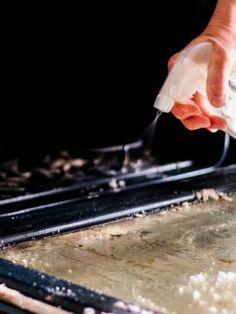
217, 101
212, 130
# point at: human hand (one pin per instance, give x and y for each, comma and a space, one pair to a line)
195, 116
221, 32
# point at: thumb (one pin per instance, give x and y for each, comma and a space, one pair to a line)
219, 69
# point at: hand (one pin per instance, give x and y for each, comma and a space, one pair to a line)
221, 32
194, 115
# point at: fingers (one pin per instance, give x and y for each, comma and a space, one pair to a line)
218, 123
217, 80
184, 111
196, 122
200, 101
194, 107
195, 116
191, 116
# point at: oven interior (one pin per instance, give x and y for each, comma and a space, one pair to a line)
82, 177
77, 224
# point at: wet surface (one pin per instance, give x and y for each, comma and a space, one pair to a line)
179, 261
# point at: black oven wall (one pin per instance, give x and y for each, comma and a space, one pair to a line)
86, 74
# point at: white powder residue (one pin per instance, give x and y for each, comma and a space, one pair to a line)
211, 294
211, 194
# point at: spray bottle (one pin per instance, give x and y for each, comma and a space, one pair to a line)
189, 75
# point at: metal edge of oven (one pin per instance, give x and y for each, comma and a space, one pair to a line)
65, 216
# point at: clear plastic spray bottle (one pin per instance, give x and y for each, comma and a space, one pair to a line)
188, 76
